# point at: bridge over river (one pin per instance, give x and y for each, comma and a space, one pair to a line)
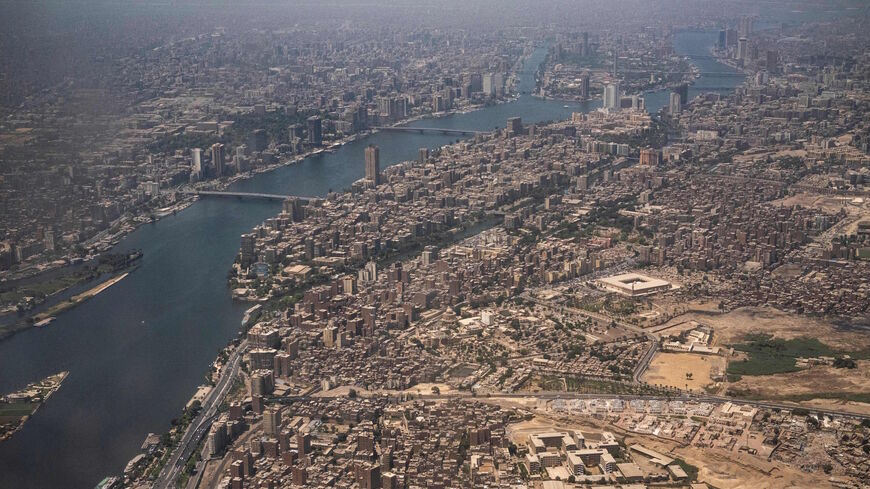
430, 130
247, 195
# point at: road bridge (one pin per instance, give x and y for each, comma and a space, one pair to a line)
721, 74
430, 130
246, 195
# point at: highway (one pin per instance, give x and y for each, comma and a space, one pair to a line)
202, 422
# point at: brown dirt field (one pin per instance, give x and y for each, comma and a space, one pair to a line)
732, 327
817, 379
671, 368
743, 471
838, 405
816, 201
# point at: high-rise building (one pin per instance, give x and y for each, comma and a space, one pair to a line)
430, 254
385, 108
498, 81
637, 102
315, 131
218, 159
271, 421
476, 82
48, 240
257, 141
772, 58
730, 38
585, 51
649, 156
611, 96
401, 107
196, 160
744, 27
584, 85
368, 476
515, 126
447, 95
675, 107
683, 90
373, 164
303, 443
217, 438
438, 103
295, 132
489, 85
742, 48
362, 116
422, 155
722, 39
299, 476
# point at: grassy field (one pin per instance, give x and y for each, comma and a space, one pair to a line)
41, 289
16, 410
597, 386
766, 355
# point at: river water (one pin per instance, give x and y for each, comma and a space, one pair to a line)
137, 351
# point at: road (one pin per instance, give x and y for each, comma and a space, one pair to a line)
200, 425
574, 395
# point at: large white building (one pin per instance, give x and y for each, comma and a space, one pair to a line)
634, 284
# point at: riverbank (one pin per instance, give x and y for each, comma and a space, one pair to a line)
18, 407
49, 295
77, 299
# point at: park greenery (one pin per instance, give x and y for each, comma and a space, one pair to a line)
766, 355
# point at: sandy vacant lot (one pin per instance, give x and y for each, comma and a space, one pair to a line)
839, 405
822, 202
730, 328
818, 379
671, 368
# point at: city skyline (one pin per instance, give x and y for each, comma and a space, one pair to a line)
392, 244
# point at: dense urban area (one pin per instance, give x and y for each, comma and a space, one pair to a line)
668, 288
